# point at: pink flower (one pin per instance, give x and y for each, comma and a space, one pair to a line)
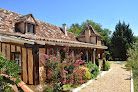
67, 45
64, 62
83, 61
45, 56
77, 61
65, 71
81, 53
74, 71
64, 49
72, 54
42, 61
55, 58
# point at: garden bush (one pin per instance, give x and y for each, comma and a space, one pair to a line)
10, 68
94, 69
106, 65
133, 56
87, 75
133, 62
135, 78
62, 71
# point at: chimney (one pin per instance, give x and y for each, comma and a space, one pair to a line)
64, 29
87, 34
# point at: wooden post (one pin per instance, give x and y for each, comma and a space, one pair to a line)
87, 57
35, 64
94, 55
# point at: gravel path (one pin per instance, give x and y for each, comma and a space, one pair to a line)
117, 80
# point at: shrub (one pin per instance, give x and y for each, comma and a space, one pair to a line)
133, 62
97, 61
135, 77
87, 75
10, 68
94, 69
133, 56
62, 71
106, 65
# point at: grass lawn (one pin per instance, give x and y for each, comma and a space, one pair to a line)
135, 78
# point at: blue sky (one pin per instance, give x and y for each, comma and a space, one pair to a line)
57, 12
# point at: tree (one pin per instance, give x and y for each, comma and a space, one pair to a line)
121, 41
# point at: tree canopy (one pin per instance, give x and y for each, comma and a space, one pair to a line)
121, 40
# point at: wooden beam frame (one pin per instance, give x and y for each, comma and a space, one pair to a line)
35, 52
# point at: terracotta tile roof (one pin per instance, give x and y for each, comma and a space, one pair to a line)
43, 29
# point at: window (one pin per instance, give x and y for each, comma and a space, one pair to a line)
30, 28
16, 56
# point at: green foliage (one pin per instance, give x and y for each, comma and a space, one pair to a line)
97, 61
136, 39
133, 62
11, 69
87, 75
108, 55
135, 78
93, 69
67, 86
133, 56
121, 41
106, 65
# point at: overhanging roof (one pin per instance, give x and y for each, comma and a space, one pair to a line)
48, 41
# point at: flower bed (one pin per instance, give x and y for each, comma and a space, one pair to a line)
67, 71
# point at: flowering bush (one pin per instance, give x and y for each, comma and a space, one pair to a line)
61, 71
87, 75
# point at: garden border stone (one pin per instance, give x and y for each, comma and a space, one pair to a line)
132, 85
90, 81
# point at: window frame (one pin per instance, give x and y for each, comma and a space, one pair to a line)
26, 28
33, 26
13, 57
